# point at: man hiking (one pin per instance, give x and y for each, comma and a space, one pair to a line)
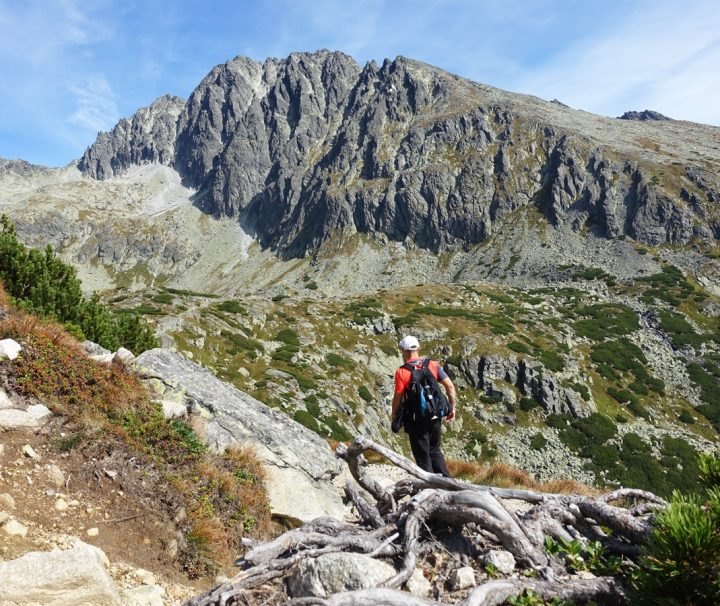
422, 419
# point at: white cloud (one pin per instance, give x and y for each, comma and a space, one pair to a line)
664, 57
95, 102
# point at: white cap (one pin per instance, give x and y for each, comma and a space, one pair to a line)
409, 344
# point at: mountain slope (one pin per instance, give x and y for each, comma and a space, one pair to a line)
312, 148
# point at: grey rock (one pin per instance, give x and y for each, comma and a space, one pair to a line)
462, 578
644, 115
313, 147
297, 460
33, 417
148, 137
7, 501
93, 349
145, 595
13, 528
9, 349
75, 577
336, 572
503, 561
530, 377
418, 585
56, 476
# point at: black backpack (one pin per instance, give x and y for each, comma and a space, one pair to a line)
424, 400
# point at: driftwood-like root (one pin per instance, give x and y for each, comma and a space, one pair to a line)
402, 522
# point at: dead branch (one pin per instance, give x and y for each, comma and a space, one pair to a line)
403, 523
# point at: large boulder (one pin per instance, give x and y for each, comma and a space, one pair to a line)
337, 572
76, 577
299, 464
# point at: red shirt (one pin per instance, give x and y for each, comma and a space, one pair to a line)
403, 375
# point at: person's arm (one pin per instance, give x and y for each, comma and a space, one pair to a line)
450, 389
396, 401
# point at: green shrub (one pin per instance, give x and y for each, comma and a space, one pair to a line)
552, 360
679, 330
606, 320
308, 420
557, 421
686, 417
622, 395
282, 355
335, 360
639, 410
337, 431
365, 393
634, 443
40, 283
519, 347
528, 404
621, 418
313, 407
311, 285
682, 558
288, 336
164, 298
232, 307
538, 441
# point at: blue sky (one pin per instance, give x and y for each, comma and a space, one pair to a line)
73, 67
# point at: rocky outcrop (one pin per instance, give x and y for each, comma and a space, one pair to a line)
145, 138
75, 577
644, 115
313, 149
299, 464
530, 377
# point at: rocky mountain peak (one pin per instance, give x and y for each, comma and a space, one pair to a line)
145, 138
312, 149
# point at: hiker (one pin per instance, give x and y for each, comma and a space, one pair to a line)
423, 429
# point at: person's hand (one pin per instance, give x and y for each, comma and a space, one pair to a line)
451, 415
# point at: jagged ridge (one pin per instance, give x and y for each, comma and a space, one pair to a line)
313, 148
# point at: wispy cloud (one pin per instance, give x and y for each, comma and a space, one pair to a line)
657, 57
96, 107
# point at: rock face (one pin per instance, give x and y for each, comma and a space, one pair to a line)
644, 115
313, 148
336, 572
299, 463
76, 577
530, 377
148, 137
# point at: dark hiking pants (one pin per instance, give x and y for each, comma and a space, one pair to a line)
425, 445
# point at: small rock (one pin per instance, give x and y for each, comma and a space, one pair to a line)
9, 349
172, 548
61, 505
145, 595
145, 576
56, 476
93, 532
462, 578
2, 449
6, 501
5, 401
418, 585
15, 528
243, 371
123, 355
503, 561
110, 473
173, 410
4, 517
29, 452
585, 574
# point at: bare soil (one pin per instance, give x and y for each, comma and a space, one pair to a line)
103, 489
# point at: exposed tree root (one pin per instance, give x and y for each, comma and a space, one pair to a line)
400, 526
